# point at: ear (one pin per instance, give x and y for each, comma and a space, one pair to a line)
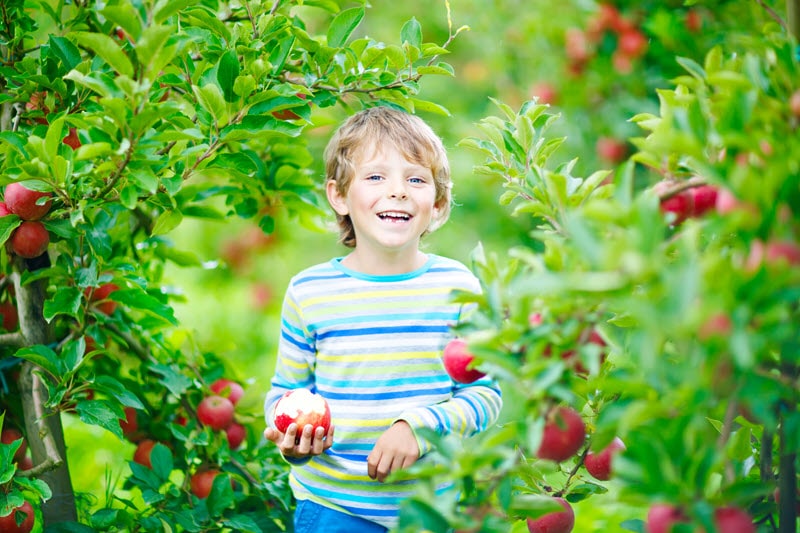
337, 201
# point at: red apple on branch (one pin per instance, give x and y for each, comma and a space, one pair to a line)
661, 517
10, 435
457, 361
564, 434
215, 412
201, 482
228, 389
302, 407
24, 202
235, 433
556, 522
30, 239
599, 464
733, 520
142, 453
20, 520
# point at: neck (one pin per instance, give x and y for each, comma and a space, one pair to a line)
384, 265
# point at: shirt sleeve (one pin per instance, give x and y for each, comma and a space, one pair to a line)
294, 367
471, 409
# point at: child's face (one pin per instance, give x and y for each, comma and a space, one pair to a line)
390, 201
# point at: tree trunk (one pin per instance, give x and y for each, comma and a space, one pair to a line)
45, 434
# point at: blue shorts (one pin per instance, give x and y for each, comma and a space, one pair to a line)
311, 517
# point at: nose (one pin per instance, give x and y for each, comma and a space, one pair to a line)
397, 189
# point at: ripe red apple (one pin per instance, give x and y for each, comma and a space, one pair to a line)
733, 520
704, 199
718, 325
100, 294
235, 433
556, 522
794, 103
11, 434
228, 389
545, 91
215, 412
23, 201
693, 21
576, 46
564, 434
726, 202
4, 210
130, 424
202, 482
457, 360
8, 523
30, 239
681, 205
142, 453
611, 149
632, 43
599, 464
662, 516
302, 407
72, 140
10, 316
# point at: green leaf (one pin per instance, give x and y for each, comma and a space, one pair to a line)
66, 300
107, 48
68, 53
343, 26
138, 299
8, 224
167, 221
211, 99
221, 495
424, 105
173, 379
227, 71
411, 33
44, 357
164, 9
99, 413
161, 461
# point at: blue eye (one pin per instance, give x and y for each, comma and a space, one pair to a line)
374, 177
416, 180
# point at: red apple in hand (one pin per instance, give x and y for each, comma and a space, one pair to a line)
556, 522
599, 464
564, 433
662, 516
228, 389
23, 202
30, 239
302, 407
8, 523
215, 412
457, 360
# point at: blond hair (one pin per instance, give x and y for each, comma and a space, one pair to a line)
372, 128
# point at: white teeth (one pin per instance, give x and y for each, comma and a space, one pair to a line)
394, 214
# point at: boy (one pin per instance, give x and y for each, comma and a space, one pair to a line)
366, 331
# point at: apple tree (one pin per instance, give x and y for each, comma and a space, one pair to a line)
119, 121
648, 345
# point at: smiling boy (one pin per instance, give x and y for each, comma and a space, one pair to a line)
366, 330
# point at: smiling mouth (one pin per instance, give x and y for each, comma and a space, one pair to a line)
394, 216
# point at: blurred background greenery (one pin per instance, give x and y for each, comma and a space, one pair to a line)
513, 51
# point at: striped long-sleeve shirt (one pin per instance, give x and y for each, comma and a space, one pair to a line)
372, 345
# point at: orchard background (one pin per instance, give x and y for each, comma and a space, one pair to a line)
628, 192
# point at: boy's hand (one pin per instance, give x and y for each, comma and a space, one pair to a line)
397, 448
305, 444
